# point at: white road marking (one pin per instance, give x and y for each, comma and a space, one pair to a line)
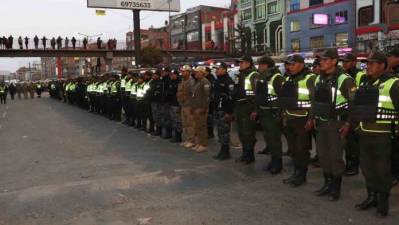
4, 114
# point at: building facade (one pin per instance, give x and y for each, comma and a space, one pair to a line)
157, 37
316, 24
377, 25
49, 69
200, 28
265, 21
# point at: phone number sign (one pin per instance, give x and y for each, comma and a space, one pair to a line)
150, 5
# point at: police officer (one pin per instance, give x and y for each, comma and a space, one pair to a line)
379, 98
155, 92
39, 89
244, 102
3, 93
393, 66
352, 150
147, 116
133, 99
174, 108
333, 90
268, 87
124, 98
223, 109
295, 99
165, 120
116, 106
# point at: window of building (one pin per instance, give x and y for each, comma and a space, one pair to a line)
341, 17
193, 36
246, 14
317, 42
315, 2
366, 15
260, 11
295, 26
342, 40
295, 5
296, 45
273, 7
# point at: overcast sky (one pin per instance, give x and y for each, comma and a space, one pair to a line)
70, 17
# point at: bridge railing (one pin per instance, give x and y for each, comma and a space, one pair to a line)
91, 45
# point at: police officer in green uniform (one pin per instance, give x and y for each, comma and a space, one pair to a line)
268, 87
3, 93
223, 109
115, 97
244, 102
352, 150
333, 90
393, 64
295, 100
376, 106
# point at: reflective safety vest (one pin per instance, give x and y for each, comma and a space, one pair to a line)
114, 87
67, 86
386, 113
133, 89
249, 90
140, 91
340, 101
304, 101
52, 86
128, 85
2, 89
359, 77
72, 87
271, 93
123, 83
39, 86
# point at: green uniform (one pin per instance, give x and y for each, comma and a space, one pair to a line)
268, 87
295, 118
375, 138
244, 97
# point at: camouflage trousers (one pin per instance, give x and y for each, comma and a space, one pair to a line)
223, 128
175, 117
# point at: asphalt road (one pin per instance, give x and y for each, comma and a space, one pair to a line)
62, 165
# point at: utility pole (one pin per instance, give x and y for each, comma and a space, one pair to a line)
137, 36
170, 27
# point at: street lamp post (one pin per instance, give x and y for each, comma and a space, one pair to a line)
170, 27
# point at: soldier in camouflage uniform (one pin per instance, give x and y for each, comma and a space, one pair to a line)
223, 109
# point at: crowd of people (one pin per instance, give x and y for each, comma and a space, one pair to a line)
352, 114
55, 43
21, 89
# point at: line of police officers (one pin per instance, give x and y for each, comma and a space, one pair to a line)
347, 110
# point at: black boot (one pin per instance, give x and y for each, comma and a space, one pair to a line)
300, 178
276, 165
291, 178
224, 153
371, 201
246, 157
352, 167
335, 191
168, 133
382, 204
176, 138
326, 189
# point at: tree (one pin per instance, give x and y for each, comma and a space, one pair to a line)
151, 56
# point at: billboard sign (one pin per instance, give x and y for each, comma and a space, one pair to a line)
150, 5
320, 19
